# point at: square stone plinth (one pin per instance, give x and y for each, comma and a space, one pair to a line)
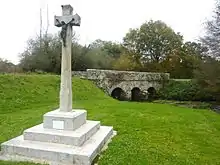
64, 120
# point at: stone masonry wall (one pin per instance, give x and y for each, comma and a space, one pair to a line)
108, 80
94, 74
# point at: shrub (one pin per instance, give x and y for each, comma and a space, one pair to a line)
184, 91
208, 77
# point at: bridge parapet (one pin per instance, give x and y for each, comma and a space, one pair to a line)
80, 74
95, 74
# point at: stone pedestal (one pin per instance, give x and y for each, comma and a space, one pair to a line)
65, 120
64, 138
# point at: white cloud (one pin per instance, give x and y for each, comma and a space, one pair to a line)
108, 20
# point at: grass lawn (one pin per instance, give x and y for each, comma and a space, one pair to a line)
154, 134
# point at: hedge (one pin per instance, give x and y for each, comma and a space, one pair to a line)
184, 91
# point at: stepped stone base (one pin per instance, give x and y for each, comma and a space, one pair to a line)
76, 138
59, 146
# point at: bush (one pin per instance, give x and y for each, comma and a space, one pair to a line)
184, 91
208, 77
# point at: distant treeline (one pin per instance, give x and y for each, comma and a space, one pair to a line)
153, 47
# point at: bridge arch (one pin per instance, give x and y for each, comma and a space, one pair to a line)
151, 93
118, 93
135, 94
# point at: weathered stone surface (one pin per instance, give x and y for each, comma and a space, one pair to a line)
125, 75
108, 80
64, 120
53, 153
66, 21
76, 138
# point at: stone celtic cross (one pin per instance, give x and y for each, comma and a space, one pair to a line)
66, 21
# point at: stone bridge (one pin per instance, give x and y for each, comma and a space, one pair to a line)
125, 85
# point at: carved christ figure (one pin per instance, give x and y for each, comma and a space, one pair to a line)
67, 19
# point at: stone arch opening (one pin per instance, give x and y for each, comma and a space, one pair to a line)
118, 94
151, 93
136, 94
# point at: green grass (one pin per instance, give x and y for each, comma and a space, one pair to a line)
148, 133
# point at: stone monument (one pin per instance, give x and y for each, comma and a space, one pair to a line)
65, 137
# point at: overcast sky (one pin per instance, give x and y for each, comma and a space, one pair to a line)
104, 19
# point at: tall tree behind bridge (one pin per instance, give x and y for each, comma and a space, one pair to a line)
153, 41
103, 53
156, 47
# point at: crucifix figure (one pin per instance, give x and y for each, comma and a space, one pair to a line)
66, 21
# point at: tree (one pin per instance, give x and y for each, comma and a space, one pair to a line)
103, 53
80, 61
152, 42
113, 49
45, 55
183, 61
99, 58
42, 54
208, 77
212, 36
157, 48
125, 63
